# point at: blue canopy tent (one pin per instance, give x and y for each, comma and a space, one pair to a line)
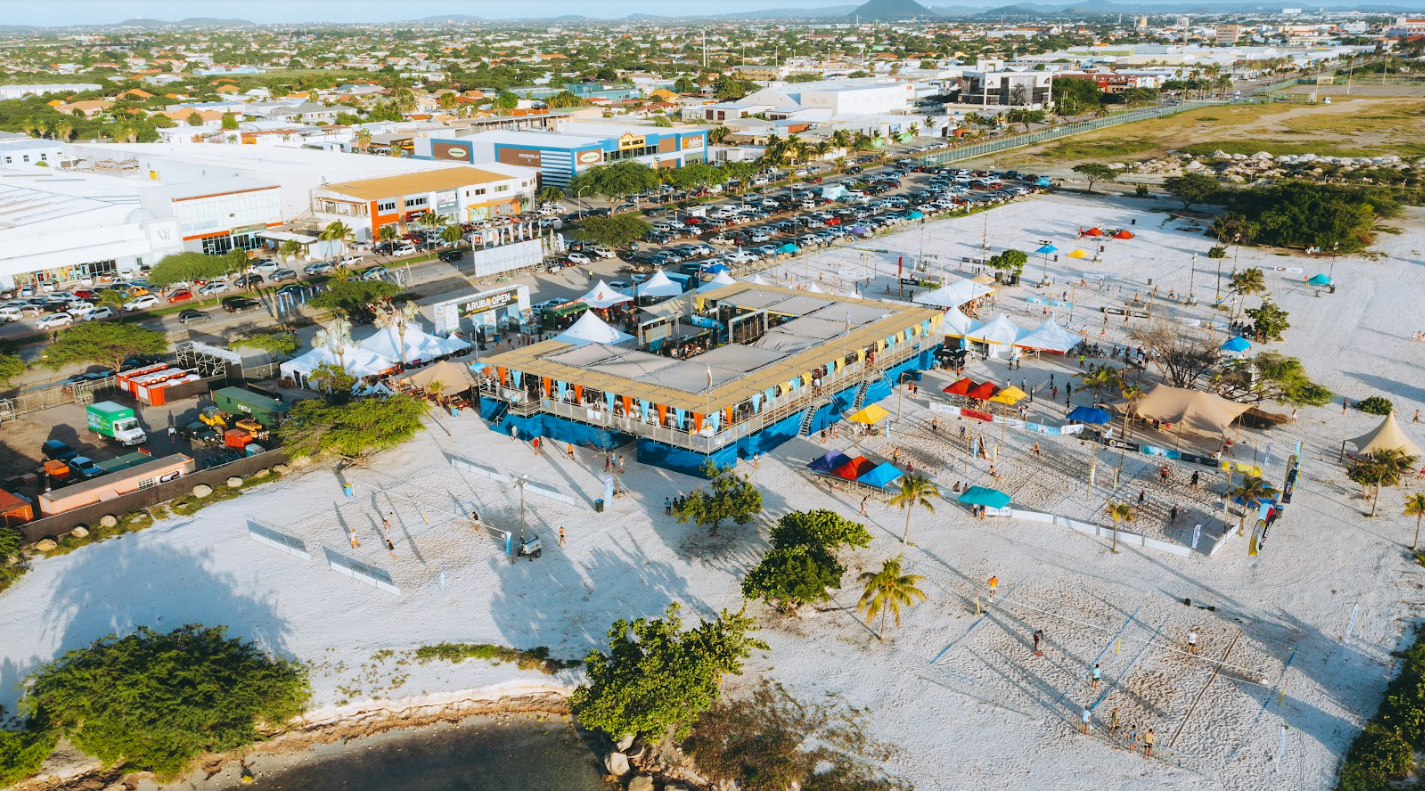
1047, 249
859, 230
829, 462
1237, 344
1090, 415
881, 476
717, 269
979, 495
915, 215
788, 248
1319, 280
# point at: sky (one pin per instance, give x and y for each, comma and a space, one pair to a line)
71, 12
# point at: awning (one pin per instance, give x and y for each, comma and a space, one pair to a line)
854, 468
1078, 254
1237, 344
1386, 436
880, 475
979, 495
1009, 395
962, 387
287, 236
869, 415
1089, 415
833, 460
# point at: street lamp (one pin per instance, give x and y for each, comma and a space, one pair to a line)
1332, 273
520, 481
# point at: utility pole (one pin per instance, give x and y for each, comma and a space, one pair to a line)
520, 482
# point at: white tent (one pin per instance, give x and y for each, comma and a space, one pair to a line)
1049, 337
815, 289
998, 333
419, 344
358, 362
604, 296
592, 329
953, 295
660, 285
719, 280
758, 281
957, 323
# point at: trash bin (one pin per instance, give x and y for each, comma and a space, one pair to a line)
599, 506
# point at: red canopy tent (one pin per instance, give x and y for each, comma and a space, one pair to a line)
1124, 234
983, 392
1093, 232
855, 468
961, 387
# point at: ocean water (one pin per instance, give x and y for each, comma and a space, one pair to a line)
478, 754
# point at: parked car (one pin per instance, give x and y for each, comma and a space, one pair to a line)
263, 265
55, 321
451, 256
55, 449
140, 303
250, 280
375, 273
349, 260
292, 289
200, 432
240, 304
85, 467
94, 314
283, 274
181, 295
214, 287
405, 249
579, 258
193, 317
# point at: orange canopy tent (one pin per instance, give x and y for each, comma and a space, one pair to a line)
983, 392
961, 387
1124, 234
1093, 232
855, 468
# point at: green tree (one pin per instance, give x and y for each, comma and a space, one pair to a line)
1415, 506
1251, 491
195, 118
684, 85
290, 249
1270, 376
1268, 321
452, 234
1191, 188
886, 591
916, 491
662, 121
336, 231
656, 678
550, 194
1246, 282
728, 496
186, 268
353, 431
507, 101
229, 121
618, 180
155, 702
616, 231
1009, 261
353, 298
277, 344
23, 751
1094, 172
1379, 469
1119, 512
1099, 377
11, 366
1074, 96
802, 567
820, 528
103, 342
388, 233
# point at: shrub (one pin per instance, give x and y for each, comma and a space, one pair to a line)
1377, 756
533, 659
1376, 405
22, 752
1385, 751
1141, 190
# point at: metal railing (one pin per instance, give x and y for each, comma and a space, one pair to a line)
41, 398
772, 411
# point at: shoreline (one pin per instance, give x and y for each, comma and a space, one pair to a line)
325, 726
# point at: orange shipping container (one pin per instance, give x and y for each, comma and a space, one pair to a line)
236, 438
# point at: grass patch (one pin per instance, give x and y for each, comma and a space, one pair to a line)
187, 505
131, 522
9, 575
1383, 118
1075, 149
533, 659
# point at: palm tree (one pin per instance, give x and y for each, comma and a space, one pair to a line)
1120, 512
112, 299
388, 233
363, 140
399, 319
1378, 469
822, 148
841, 138
550, 194
916, 490
914, 130
839, 165
1098, 377
1245, 283
27, 125
1415, 506
335, 336
1134, 394
290, 249
886, 591
1251, 491
336, 231
63, 130
452, 235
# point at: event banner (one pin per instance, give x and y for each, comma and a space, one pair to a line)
1053, 303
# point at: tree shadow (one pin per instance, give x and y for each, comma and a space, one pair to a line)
83, 608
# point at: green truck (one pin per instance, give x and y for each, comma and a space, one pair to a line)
116, 422
270, 412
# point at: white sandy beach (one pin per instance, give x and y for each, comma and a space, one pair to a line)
963, 696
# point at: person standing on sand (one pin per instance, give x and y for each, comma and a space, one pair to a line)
561, 535
1087, 724
1132, 738
1095, 676
571, 451
535, 444
863, 505
1192, 641
1345, 402
1039, 642
994, 586
668, 506
386, 521
1173, 514
1148, 739
391, 548
1415, 419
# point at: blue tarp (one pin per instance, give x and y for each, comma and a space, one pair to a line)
884, 473
1237, 344
829, 462
915, 215
717, 269
1094, 417
858, 229
990, 498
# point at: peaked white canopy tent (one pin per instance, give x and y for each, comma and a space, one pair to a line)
592, 329
418, 344
602, 295
719, 280
356, 361
999, 334
1049, 337
660, 285
953, 295
956, 323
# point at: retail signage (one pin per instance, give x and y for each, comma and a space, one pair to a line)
458, 152
629, 141
488, 302
690, 143
591, 157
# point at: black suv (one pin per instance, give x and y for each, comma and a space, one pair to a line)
240, 304
451, 256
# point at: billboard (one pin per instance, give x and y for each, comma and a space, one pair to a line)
590, 157
451, 151
507, 257
692, 143
524, 157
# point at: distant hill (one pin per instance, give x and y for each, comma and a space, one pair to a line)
197, 21
890, 9
440, 18
824, 12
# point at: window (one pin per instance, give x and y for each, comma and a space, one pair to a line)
148, 483
502, 188
386, 206
44, 157
27, 157
416, 202
9, 160
479, 190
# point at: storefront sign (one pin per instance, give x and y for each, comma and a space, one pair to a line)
629, 141
488, 302
525, 157
591, 157
458, 152
691, 143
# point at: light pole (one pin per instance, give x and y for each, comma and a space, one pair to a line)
1332, 273
520, 482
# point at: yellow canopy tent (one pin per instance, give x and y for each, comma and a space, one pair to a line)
983, 280
869, 415
1078, 254
1010, 395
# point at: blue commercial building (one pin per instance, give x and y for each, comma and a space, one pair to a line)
576, 147
796, 363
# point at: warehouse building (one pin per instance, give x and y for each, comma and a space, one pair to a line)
577, 147
459, 194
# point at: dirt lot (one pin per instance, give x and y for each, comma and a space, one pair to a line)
1355, 125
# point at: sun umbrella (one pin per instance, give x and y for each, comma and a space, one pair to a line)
1047, 249
1078, 254
1123, 234
979, 495
983, 280
1009, 395
1319, 280
915, 215
854, 468
869, 415
1237, 344
961, 387
983, 391
1089, 415
1093, 232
